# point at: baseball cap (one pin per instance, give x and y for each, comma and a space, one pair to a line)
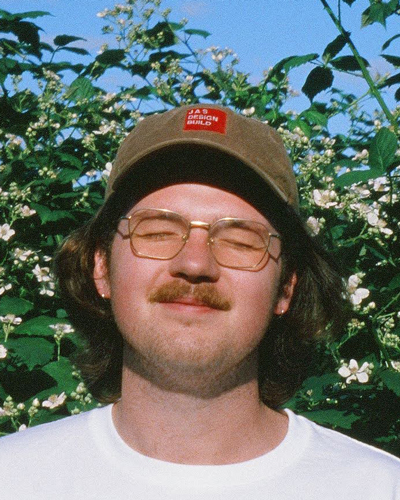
254, 144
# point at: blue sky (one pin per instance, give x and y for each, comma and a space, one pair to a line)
261, 32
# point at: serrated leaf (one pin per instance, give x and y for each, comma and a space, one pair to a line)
383, 150
46, 214
62, 40
394, 283
39, 326
391, 380
112, 56
61, 372
318, 80
293, 61
315, 117
14, 305
202, 33
378, 13
80, 88
395, 60
388, 42
32, 14
333, 48
76, 50
356, 176
392, 80
332, 418
348, 63
31, 351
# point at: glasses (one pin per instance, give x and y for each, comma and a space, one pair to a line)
235, 243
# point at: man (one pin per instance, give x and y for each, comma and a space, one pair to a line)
201, 297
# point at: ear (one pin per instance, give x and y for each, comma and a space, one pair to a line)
284, 300
100, 274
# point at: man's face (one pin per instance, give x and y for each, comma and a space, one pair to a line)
190, 334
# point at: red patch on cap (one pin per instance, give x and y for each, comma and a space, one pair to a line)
209, 119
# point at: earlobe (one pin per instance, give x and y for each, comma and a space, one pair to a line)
283, 304
100, 274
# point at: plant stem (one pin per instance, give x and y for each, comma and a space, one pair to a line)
374, 90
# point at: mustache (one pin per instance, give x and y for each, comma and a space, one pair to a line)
205, 293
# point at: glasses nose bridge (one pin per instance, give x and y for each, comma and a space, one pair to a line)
197, 224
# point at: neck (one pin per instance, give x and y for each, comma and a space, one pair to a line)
196, 427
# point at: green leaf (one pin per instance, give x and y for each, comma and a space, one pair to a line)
333, 48
332, 418
394, 283
388, 42
39, 326
112, 56
80, 88
315, 117
348, 63
349, 2
395, 60
392, 80
31, 351
391, 380
48, 215
62, 40
14, 305
76, 50
318, 80
293, 61
32, 14
202, 33
383, 150
61, 372
378, 13
356, 176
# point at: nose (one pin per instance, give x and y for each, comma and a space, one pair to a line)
195, 262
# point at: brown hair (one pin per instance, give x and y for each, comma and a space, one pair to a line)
315, 314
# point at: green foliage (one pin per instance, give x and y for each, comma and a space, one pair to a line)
60, 127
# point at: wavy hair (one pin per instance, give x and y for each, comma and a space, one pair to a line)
317, 311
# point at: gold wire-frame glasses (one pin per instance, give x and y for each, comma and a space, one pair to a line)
157, 233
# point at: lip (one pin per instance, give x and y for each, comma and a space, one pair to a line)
188, 305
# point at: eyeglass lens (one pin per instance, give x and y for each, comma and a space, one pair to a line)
234, 242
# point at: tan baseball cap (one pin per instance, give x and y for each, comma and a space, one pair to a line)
253, 143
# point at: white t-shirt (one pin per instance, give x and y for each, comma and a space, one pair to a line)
83, 457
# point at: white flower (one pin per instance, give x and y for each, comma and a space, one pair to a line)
26, 211
3, 352
6, 232
42, 273
359, 295
54, 401
5, 287
353, 372
22, 428
62, 328
249, 111
22, 255
314, 224
107, 171
325, 199
11, 319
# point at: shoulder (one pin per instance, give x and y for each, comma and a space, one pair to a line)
49, 438
341, 450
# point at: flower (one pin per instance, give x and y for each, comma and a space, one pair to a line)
42, 273
26, 211
54, 401
356, 294
3, 352
353, 372
325, 199
11, 319
314, 224
6, 232
107, 171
